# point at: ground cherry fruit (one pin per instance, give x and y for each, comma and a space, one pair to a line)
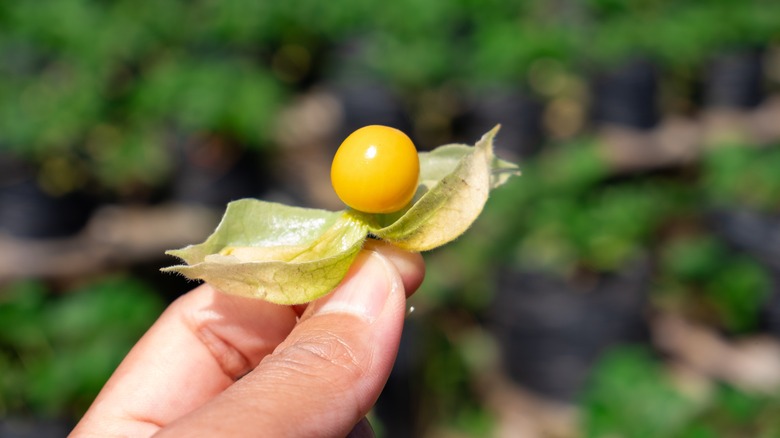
376, 169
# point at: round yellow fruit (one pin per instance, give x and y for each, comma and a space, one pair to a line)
376, 169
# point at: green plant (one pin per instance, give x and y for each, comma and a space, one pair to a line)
734, 413
704, 278
108, 86
56, 352
655, 403
650, 406
739, 175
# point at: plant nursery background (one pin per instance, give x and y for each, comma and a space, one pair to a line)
627, 285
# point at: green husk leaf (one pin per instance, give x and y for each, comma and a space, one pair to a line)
291, 255
455, 181
285, 255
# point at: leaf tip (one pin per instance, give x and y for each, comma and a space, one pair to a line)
175, 269
178, 253
486, 141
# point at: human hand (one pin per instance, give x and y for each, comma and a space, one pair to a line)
221, 365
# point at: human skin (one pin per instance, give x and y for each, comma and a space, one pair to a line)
221, 365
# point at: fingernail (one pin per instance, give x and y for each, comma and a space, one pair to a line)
365, 289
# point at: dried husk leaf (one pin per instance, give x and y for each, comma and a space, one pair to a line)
459, 179
285, 255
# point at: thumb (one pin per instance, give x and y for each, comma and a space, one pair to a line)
328, 373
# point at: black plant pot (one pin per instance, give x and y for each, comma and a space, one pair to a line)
363, 96
398, 406
367, 102
213, 171
627, 96
735, 80
757, 234
771, 311
519, 114
27, 211
551, 332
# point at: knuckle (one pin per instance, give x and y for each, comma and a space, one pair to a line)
318, 353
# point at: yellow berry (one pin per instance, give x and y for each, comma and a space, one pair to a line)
376, 169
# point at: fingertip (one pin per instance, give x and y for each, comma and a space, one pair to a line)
410, 265
365, 290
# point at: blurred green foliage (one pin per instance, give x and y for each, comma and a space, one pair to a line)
743, 175
56, 352
568, 216
105, 88
712, 282
650, 406
110, 84
654, 405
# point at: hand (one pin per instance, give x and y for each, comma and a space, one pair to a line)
220, 365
